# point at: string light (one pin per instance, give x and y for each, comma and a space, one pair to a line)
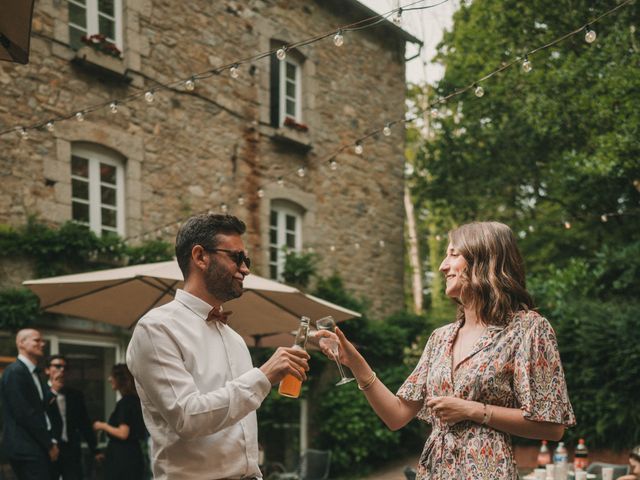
234, 72
333, 165
24, 133
567, 224
358, 148
223, 208
332, 248
301, 172
590, 35
149, 96
50, 127
381, 243
604, 218
281, 54
240, 200
113, 106
280, 181
356, 246
338, 39
190, 84
260, 193
434, 113
526, 65
479, 91
386, 131
398, 18
80, 116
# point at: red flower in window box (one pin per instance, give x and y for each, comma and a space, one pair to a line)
291, 123
100, 43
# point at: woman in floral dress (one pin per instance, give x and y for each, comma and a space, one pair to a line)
493, 373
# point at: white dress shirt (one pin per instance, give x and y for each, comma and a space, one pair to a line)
199, 393
61, 400
36, 380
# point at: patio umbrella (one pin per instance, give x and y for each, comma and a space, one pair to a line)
15, 30
264, 315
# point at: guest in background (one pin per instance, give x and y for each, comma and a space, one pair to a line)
634, 465
125, 429
28, 438
70, 421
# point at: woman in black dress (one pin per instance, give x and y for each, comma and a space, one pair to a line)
125, 429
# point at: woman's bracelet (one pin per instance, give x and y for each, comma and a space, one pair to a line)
486, 414
367, 385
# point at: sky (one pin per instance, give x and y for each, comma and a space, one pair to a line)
426, 25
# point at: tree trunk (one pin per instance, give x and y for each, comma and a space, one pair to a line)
414, 252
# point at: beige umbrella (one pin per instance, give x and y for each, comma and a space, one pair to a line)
120, 296
15, 30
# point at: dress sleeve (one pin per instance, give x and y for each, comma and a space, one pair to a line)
539, 381
414, 387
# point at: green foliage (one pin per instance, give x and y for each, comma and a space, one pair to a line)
299, 268
19, 308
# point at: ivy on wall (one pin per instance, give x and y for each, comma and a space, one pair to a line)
69, 248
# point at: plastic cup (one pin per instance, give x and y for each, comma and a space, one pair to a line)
550, 468
581, 475
607, 473
540, 474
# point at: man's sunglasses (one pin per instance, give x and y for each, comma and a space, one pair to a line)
59, 366
237, 256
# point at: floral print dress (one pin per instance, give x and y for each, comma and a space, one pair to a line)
516, 366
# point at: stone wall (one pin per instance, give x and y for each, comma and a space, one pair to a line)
192, 151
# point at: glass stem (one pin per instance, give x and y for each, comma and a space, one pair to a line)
337, 355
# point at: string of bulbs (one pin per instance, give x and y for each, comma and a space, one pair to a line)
357, 146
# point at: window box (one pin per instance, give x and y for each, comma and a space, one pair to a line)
299, 139
101, 63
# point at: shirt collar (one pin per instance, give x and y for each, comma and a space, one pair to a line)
27, 362
193, 303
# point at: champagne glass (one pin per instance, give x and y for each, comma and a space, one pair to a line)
328, 323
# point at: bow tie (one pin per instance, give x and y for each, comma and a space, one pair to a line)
217, 313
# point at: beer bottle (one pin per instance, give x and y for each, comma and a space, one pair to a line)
290, 386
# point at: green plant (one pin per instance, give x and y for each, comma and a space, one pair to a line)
19, 308
299, 268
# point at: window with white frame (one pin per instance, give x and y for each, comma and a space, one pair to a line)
90, 17
290, 91
285, 233
97, 189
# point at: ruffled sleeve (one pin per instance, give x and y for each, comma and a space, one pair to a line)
539, 381
414, 387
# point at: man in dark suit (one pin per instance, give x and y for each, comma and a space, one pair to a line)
28, 439
70, 421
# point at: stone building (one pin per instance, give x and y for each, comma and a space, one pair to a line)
259, 145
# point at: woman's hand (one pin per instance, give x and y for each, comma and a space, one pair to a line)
97, 426
349, 355
452, 410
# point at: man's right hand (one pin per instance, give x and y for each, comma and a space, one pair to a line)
54, 451
286, 360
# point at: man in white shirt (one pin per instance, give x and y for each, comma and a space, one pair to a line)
198, 389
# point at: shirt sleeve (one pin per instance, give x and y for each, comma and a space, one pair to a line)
156, 364
539, 381
414, 387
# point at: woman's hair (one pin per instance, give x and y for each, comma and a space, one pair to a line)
494, 280
635, 453
123, 379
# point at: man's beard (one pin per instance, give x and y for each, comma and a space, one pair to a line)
220, 283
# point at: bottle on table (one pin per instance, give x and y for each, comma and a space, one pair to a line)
544, 456
581, 457
290, 386
561, 462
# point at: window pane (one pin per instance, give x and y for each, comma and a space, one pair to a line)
107, 27
291, 108
273, 236
106, 6
80, 212
108, 217
79, 189
291, 71
80, 167
108, 233
107, 173
291, 89
108, 195
75, 36
273, 271
291, 240
77, 15
273, 218
273, 254
291, 222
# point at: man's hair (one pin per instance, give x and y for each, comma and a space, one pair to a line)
123, 379
202, 230
57, 356
494, 280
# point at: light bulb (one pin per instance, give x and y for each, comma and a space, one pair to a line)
281, 54
333, 165
149, 97
357, 246
590, 36
532, 228
398, 17
113, 106
386, 131
24, 133
234, 72
80, 117
301, 172
434, 113
332, 248
224, 208
280, 181
526, 65
240, 200
190, 85
358, 149
260, 193
381, 243
604, 217
567, 225
479, 91
50, 127
438, 238
338, 39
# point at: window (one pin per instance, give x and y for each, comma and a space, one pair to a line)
286, 90
89, 17
285, 233
97, 189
